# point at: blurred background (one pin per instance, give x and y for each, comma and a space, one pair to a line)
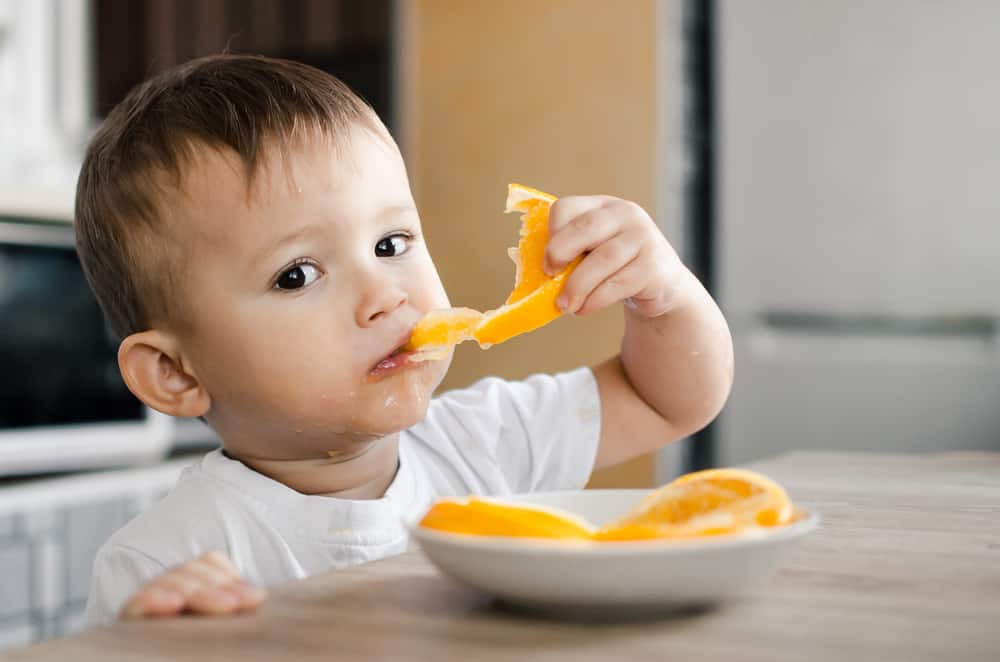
829, 169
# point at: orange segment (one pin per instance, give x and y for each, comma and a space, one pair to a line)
531, 303
440, 329
476, 516
534, 310
530, 252
704, 503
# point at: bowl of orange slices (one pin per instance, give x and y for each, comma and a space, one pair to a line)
704, 537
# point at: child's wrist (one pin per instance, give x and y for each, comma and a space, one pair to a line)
681, 294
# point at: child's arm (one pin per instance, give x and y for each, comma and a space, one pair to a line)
675, 368
207, 585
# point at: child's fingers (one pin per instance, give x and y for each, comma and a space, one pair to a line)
164, 598
209, 572
582, 234
576, 225
217, 571
566, 209
250, 596
210, 584
153, 601
182, 581
221, 562
225, 598
606, 261
620, 285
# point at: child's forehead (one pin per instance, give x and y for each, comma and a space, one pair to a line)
283, 165
220, 193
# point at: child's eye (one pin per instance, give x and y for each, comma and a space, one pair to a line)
392, 245
297, 276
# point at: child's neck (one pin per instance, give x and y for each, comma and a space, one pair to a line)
364, 472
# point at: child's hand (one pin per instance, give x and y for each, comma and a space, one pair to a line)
628, 257
207, 585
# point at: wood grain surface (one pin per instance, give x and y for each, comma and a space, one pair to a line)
905, 566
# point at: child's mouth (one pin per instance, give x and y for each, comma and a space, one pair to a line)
397, 360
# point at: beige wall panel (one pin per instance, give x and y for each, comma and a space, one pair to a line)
557, 94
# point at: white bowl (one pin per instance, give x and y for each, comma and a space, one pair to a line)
582, 576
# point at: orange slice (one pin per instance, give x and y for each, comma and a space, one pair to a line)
440, 329
531, 304
530, 252
704, 503
482, 517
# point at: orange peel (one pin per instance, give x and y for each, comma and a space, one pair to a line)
532, 301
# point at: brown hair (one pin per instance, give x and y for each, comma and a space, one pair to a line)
237, 102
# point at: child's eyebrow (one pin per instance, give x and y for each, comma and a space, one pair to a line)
397, 210
297, 235
306, 231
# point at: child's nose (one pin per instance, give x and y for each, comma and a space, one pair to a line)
380, 299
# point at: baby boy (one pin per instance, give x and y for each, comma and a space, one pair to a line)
248, 228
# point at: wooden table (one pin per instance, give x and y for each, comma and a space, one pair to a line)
905, 566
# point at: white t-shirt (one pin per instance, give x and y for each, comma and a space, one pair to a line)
495, 437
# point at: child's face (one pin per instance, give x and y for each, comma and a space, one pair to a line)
297, 294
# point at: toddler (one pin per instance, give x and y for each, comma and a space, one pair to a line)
248, 228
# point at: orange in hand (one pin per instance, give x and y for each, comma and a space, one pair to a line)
531, 304
440, 329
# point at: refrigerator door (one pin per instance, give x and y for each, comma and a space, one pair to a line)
858, 164
835, 389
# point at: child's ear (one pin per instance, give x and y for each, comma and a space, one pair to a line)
152, 367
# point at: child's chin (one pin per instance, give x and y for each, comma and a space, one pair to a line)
408, 419
396, 415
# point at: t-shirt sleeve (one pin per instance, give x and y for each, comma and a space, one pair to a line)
501, 436
119, 572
